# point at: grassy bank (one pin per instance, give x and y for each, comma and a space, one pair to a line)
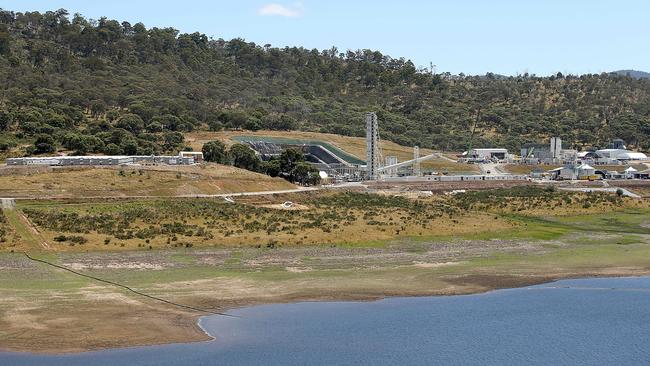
315, 218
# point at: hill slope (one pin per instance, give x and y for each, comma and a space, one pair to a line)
158, 181
109, 87
634, 74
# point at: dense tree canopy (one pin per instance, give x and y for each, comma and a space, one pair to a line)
215, 151
113, 87
244, 157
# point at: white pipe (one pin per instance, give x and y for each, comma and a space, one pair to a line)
407, 163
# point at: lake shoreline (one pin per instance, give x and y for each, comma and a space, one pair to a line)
203, 335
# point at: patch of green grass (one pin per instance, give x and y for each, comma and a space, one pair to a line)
363, 244
43, 278
587, 257
182, 258
626, 222
232, 261
600, 238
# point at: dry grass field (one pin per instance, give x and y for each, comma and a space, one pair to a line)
133, 181
353, 145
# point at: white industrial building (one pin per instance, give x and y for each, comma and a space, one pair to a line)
104, 160
616, 156
489, 154
573, 172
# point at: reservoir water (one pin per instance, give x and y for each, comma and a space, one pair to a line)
573, 322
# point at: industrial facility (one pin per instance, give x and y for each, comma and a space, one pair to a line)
336, 163
552, 153
339, 166
185, 158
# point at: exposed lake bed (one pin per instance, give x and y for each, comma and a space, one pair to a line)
568, 322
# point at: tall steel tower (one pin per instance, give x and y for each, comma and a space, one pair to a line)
416, 165
373, 158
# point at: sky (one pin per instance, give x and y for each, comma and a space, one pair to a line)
506, 37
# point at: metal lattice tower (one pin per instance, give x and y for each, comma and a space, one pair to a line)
416, 164
373, 156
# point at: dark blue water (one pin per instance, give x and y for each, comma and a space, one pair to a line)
572, 322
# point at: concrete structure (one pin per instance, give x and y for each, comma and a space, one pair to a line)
568, 156
556, 148
563, 173
487, 154
551, 153
391, 161
586, 171
537, 153
373, 156
573, 172
416, 162
101, 160
197, 155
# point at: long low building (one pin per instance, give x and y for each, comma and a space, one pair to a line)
102, 160
611, 155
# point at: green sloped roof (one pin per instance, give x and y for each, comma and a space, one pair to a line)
289, 141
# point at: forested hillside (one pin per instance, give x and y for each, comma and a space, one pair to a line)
104, 86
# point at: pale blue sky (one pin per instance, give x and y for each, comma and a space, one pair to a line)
470, 36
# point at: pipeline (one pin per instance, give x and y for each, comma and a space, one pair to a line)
188, 307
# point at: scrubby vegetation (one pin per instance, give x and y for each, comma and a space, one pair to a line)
529, 198
209, 221
72, 239
3, 227
326, 217
115, 87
